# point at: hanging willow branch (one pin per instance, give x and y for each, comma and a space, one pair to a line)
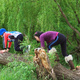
75, 13
67, 19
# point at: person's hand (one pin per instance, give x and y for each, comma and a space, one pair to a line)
7, 50
3, 51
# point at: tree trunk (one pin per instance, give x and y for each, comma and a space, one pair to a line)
46, 72
5, 58
63, 73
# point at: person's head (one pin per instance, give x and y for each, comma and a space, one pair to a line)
2, 30
37, 36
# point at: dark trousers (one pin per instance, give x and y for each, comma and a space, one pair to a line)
17, 42
60, 39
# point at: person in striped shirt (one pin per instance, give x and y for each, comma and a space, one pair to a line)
8, 37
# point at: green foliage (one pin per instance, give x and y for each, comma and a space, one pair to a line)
52, 58
18, 71
29, 16
27, 42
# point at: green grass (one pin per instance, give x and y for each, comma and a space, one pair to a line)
27, 71
18, 71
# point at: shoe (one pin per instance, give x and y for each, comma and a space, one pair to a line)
28, 48
68, 60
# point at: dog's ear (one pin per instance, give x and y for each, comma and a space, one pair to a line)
39, 49
35, 50
42, 50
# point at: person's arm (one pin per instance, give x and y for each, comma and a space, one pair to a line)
3, 51
6, 50
42, 42
5, 38
9, 45
5, 41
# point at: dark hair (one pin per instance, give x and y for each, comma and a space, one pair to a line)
38, 33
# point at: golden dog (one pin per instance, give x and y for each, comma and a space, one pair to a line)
40, 54
41, 59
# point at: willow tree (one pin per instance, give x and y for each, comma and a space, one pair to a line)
29, 16
72, 19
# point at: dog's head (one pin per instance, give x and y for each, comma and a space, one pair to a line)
39, 51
